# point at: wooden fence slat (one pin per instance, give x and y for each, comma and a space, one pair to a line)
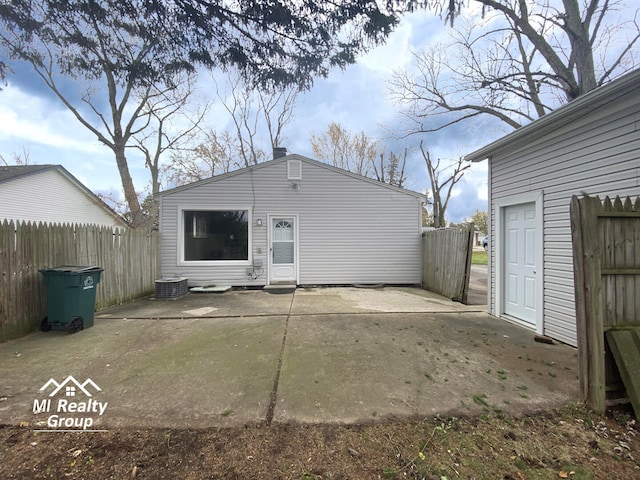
6, 228
629, 262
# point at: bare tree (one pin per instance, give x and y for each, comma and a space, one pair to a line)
339, 147
517, 63
441, 188
162, 109
256, 111
277, 107
359, 153
49, 51
245, 121
254, 115
18, 158
116, 109
390, 169
215, 154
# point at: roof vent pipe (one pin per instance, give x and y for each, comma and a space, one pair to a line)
279, 152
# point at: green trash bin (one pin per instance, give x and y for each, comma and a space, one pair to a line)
71, 297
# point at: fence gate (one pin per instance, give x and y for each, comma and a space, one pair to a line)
606, 259
446, 261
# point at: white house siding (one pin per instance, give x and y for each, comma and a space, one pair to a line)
599, 155
48, 196
350, 230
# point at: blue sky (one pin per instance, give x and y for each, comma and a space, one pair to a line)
32, 120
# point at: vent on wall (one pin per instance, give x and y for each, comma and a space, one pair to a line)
171, 288
294, 170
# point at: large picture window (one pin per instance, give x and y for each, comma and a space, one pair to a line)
216, 235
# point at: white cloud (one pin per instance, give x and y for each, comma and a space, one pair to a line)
30, 119
49, 134
395, 53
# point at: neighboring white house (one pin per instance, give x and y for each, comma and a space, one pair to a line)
50, 194
291, 220
590, 146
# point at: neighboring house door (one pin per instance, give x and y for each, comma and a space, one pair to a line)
283, 250
519, 262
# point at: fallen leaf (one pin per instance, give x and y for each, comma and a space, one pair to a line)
563, 474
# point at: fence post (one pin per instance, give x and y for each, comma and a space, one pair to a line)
468, 230
588, 299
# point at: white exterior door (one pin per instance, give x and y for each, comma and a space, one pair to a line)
283, 236
519, 262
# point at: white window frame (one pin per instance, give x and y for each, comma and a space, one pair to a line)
224, 208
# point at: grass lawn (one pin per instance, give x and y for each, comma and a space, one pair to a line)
479, 257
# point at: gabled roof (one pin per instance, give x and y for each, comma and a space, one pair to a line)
293, 156
13, 172
562, 116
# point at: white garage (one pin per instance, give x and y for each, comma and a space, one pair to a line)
588, 147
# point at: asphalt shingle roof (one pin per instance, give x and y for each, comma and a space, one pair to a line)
14, 171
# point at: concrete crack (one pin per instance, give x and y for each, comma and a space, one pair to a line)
274, 390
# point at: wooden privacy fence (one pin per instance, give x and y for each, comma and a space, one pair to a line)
606, 258
129, 259
446, 261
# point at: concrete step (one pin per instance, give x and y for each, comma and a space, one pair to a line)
280, 288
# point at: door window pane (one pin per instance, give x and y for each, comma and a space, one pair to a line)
282, 231
283, 241
283, 252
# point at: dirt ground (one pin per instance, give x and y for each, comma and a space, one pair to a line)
569, 442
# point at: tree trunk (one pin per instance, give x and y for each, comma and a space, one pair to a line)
438, 212
127, 185
581, 48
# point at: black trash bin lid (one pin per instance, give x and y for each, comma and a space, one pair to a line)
73, 269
